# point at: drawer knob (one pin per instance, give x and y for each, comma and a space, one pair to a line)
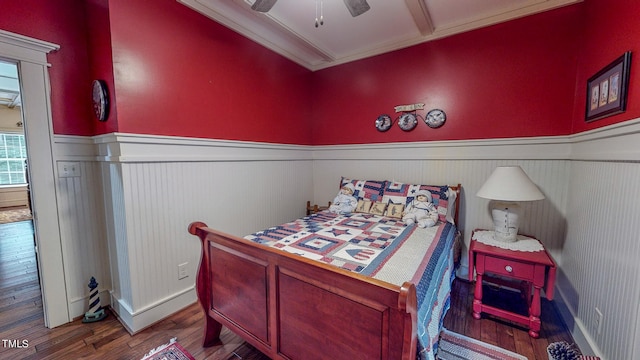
508, 268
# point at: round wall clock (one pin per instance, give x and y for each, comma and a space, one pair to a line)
435, 118
100, 97
407, 121
383, 122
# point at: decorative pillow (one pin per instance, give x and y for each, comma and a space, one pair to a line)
395, 210
442, 197
363, 206
378, 208
366, 189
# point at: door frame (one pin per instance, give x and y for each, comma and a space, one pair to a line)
30, 56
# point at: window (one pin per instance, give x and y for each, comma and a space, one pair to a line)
13, 154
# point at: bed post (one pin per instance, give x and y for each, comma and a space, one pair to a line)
407, 301
212, 328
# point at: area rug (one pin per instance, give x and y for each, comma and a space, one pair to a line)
453, 346
170, 351
14, 215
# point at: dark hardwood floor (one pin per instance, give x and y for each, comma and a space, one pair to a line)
21, 320
502, 333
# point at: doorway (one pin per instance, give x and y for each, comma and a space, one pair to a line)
19, 277
29, 55
14, 187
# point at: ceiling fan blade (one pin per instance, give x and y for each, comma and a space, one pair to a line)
263, 5
357, 7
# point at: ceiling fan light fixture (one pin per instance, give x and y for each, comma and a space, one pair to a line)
263, 5
357, 7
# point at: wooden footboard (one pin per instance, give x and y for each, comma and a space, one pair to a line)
290, 307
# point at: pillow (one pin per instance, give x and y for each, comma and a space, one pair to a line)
363, 206
442, 197
365, 189
378, 208
395, 210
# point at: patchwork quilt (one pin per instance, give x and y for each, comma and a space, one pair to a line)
383, 248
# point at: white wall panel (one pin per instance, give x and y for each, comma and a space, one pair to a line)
159, 185
80, 208
600, 255
162, 199
544, 219
588, 219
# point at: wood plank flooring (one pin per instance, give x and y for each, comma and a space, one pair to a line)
21, 319
502, 333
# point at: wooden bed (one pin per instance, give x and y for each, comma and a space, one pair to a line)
290, 307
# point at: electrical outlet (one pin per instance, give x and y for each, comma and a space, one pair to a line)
182, 271
598, 321
68, 169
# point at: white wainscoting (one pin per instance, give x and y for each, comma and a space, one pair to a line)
544, 219
158, 185
599, 256
155, 186
600, 267
82, 224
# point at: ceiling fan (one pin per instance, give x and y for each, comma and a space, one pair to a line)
356, 7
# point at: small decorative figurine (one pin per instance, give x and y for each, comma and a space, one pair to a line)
421, 210
344, 202
96, 312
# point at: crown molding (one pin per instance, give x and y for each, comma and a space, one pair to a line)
22, 48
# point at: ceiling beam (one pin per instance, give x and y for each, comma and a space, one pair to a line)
263, 5
421, 17
295, 37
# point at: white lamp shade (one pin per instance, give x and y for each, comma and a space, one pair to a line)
510, 183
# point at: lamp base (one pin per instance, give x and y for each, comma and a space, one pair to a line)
505, 237
505, 221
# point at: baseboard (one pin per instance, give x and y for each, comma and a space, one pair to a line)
136, 321
578, 330
462, 272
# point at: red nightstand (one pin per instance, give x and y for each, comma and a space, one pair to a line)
536, 269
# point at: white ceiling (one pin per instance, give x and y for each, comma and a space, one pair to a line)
289, 27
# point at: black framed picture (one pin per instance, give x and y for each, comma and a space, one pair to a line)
607, 90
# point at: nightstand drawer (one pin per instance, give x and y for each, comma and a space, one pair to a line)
511, 268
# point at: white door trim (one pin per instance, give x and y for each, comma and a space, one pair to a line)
30, 56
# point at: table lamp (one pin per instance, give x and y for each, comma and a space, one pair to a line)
508, 185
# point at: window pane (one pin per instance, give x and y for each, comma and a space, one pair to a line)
4, 179
13, 153
16, 165
17, 178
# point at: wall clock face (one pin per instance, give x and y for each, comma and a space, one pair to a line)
383, 122
435, 118
100, 98
407, 121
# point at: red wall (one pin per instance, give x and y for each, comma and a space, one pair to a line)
172, 71
61, 22
611, 28
514, 79
100, 60
179, 73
